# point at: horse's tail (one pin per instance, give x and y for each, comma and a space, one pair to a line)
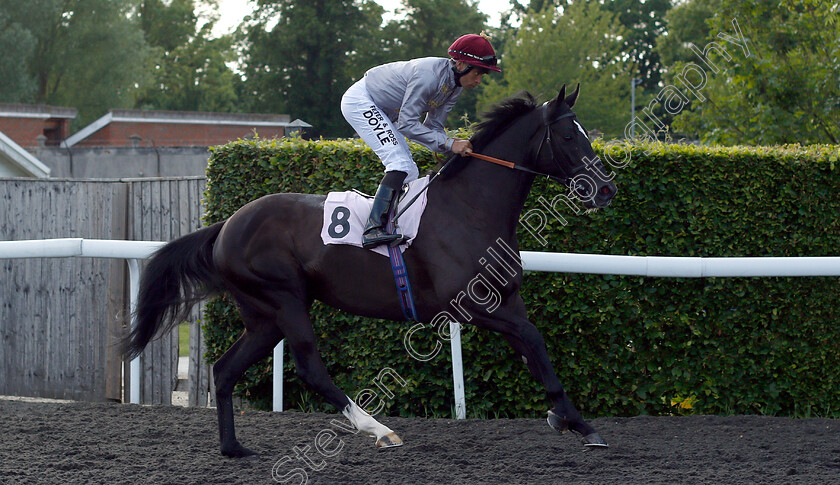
178, 275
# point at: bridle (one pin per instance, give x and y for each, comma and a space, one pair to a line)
566, 178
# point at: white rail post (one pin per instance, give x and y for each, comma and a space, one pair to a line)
277, 379
457, 370
134, 291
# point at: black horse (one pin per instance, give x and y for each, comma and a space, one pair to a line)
270, 258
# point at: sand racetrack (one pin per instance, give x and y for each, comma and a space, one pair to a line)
118, 443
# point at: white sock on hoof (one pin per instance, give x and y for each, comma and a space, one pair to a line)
364, 422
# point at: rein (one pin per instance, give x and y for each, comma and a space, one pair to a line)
546, 140
504, 163
511, 165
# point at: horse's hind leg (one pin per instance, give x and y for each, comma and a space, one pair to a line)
297, 327
261, 335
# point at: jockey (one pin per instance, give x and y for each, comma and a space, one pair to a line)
385, 107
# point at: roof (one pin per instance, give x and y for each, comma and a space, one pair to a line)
184, 117
12, 154
9, 110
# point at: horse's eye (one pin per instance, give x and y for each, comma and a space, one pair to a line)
567, 137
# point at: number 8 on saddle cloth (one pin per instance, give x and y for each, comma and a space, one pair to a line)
345, 214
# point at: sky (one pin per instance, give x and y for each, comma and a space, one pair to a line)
232, 11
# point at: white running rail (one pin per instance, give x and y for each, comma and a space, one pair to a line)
680, 267
131, 251
652, 266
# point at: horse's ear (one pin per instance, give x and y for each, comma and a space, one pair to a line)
561, 95
573, 97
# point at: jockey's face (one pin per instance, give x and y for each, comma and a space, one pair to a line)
472, 78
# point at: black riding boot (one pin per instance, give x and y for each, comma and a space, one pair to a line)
375, 232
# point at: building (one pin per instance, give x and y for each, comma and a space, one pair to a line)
132, 128
31, 126
17, 162
126, 143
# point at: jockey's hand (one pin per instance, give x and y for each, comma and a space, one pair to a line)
461, 147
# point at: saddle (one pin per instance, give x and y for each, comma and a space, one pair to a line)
345, 215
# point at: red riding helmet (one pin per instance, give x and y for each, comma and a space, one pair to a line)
475, 50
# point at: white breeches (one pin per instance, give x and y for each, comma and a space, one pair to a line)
377, 130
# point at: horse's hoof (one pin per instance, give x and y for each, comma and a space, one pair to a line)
239, 451
558, 423
592, 440
390, 440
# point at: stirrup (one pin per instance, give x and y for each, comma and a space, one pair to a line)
381, 238
402, 239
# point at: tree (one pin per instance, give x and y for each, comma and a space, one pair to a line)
645, 22
168, 25
300, 64
89, 54
778, 79
16, 44
534, 6
685, 23
581, 44
190, 68
371, 46
429, 28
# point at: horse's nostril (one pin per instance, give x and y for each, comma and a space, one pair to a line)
606, 190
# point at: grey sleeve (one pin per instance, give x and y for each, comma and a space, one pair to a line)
436, 118
421, 88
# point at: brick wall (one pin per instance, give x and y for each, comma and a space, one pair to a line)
118, 134
24, 131
24, 123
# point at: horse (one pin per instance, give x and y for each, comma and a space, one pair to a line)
270, 258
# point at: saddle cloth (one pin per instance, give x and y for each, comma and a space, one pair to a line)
346, 213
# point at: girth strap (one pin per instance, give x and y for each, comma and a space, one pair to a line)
400, 272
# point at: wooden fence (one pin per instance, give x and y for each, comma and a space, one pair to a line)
60, 318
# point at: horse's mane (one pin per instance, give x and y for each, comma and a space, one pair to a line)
496, 120
498, 117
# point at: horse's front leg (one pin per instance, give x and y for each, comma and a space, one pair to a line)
529, 345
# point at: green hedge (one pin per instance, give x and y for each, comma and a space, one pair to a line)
620, 345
